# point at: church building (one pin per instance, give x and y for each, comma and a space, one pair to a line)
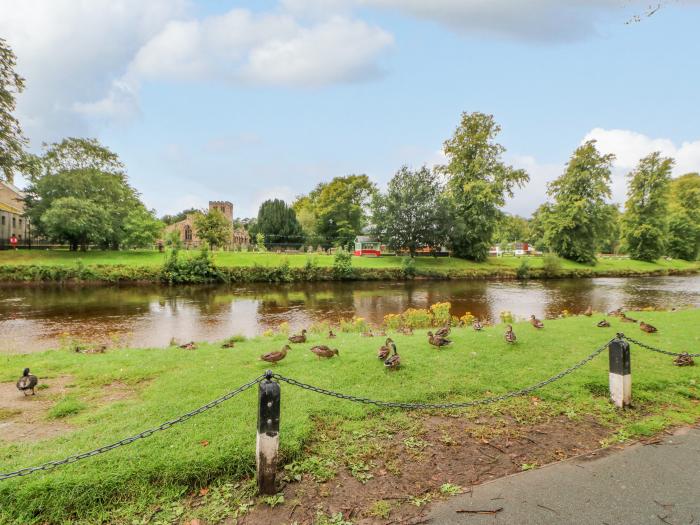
13, 223
188, 232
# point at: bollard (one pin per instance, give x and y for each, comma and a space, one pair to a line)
620, 372
268, 439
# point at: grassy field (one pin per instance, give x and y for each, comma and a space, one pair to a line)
424, 266
149, 477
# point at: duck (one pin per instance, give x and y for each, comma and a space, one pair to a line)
477, 325
331, 335
645, 327
324, 351
616, 313
274, 357
510, 335
625, 319
443, 332
437, 340
406, 330
684, 359
393, 362
298, 338
603, 324
27, 382
589, 311
536, 322
385, 349
228, 344
189, 346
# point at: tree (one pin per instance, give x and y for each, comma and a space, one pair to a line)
86, 170
410, 214
76, 221
141, 228
511, 228
537, 227
213, 227
576, 220
177, 217
278, 223
645, 220
609, 241
12, 140
478, 183
341, 208
306, 216
684, 218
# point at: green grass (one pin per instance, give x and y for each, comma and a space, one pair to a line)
425, 266
218, 446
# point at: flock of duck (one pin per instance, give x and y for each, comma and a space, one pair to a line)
387, 353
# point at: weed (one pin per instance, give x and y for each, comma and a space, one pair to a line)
319, 469
450, 489
360, 471
274, 500
415, 444
68, 406
419, 501
380, 509
528, 466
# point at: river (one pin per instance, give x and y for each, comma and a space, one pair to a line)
39, 317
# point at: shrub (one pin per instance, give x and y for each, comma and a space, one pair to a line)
523, 271
393, 321
551, 265
408, 267
197, 269
356, 324
441, 313
506, 317
467, 319
417, 318
342, 264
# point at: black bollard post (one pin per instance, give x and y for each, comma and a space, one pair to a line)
268, 434
620, 372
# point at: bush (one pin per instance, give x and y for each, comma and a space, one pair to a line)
393, 321
194, 270
551, 265
417, 318
441, 314
342, 264
408, 267
523, 271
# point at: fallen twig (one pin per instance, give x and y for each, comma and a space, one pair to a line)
467, 511
547, 508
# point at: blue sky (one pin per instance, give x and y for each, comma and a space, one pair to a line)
250, 100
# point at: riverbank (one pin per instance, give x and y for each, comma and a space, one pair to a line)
246, 267
199, 469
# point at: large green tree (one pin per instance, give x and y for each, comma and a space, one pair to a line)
410, 214
478, 182
213, 227
278, 222
341, 208
610, 235
77, 221
645, 221
575, 222
684, 218
85, 170
511, 228
12, 140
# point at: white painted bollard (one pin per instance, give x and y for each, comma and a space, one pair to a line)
267, 445
620, 373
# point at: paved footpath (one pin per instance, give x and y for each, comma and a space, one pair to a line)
643, 484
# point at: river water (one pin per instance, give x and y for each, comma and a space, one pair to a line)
39, 317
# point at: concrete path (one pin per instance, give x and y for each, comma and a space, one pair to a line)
643, 484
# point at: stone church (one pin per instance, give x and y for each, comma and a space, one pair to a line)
12, 219
188, 232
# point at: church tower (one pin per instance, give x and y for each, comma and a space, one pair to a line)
224, 207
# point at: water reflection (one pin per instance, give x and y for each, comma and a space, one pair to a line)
39, 317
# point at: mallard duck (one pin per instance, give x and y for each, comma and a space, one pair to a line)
603, 324
589, 311
228, 344
406, 330
331, 335
536, 322
385, 349
647, 328
616, 313
477, 325
625, 319
324, 351
443, 332
510, 335
437, 340
189, 346
27, 382
274, 357
393, 362
684, 360
298, 338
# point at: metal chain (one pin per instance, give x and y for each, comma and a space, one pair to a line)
126, 441
658, 350
422, 406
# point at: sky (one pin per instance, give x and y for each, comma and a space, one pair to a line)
245, 101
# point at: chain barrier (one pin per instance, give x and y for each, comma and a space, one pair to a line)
424, 406
127, 441
658, 350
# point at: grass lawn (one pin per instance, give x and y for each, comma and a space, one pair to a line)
247, 259
100, 398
